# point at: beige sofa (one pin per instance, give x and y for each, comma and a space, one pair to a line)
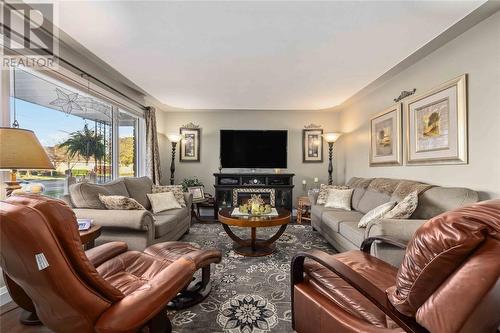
340, 227
138, 228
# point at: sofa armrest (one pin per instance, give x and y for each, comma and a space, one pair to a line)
125, 219
188, 198
364, 286
402, 229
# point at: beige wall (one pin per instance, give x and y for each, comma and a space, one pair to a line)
475, 52
212, 121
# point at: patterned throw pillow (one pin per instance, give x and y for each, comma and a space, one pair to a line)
323, 192
120, 202
338, 198
175, 189
163, 201
376, 214
404, 208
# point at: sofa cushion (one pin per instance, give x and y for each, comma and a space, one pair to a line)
339, 198
357, 194
404, 208
318, 210
86, 195
372, 199
119, 202
333, 218
175, 189
139, 187
359, 185
324, 192
351, 231
161, 202
376, 214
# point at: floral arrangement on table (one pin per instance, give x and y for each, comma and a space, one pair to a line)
255, 206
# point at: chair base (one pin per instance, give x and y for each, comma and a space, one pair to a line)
160, 323
29, 318
194, 293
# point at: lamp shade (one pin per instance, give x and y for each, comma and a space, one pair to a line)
174, 137
331, 137
20, 149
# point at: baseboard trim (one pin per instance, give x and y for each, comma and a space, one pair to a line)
4, 296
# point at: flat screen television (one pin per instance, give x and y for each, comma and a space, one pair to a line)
253, 149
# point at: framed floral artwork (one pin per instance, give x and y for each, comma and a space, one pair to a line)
437, 125
190, 144
312, 145
386, 138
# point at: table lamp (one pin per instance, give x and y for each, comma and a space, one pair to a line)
174, 139
20, 149
330, 138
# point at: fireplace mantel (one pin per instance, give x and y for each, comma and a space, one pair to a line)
229, 184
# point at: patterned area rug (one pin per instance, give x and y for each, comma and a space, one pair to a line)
249, 295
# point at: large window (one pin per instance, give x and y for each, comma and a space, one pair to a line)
76, 129
127, 146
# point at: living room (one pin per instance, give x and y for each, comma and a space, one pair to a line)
249, 166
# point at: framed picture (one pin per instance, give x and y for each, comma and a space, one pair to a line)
198, 193
312, 145
437, 125
190, 145
385, 137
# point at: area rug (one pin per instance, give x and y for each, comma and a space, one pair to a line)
249, 295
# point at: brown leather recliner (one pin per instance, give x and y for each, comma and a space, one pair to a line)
109, 289
448, 281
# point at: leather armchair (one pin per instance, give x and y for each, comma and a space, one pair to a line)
108, 289
448, 281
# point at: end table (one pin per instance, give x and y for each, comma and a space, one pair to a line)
303, 210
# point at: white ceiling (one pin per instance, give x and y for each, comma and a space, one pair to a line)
256, 55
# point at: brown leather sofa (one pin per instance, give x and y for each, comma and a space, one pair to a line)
448, 281
108, 289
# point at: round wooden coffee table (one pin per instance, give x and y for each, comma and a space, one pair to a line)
254, 247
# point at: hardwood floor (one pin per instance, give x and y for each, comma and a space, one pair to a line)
9, 321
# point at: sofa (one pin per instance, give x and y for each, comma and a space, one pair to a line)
138, 228
340, 227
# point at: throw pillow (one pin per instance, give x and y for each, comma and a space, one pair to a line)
119, 202
323, 192
175, 189
376, 214
163, 201
338, 198
404, 208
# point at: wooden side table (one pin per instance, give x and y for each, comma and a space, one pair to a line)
88, 237
206, 203
303, 210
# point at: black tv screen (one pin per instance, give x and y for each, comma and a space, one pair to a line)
253, 149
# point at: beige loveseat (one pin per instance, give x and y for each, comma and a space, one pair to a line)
340, 227
138, 228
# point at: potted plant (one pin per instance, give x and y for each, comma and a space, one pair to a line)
190, 182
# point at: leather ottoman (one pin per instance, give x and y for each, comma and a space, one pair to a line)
200, 287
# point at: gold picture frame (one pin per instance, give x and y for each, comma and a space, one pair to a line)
386, 146
436, 125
